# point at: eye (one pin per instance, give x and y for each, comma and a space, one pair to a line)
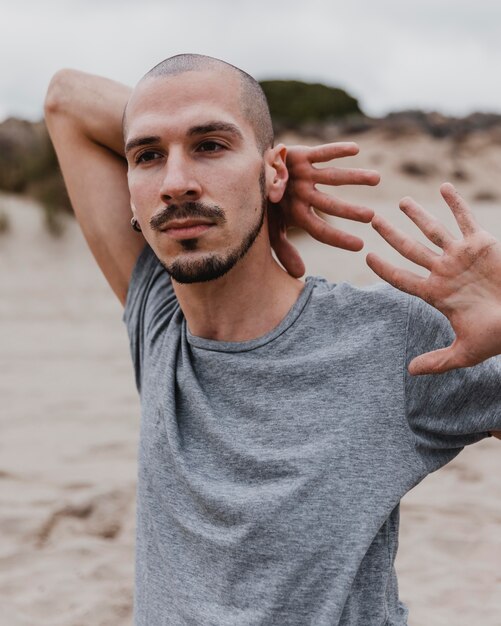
210, 146
147, 156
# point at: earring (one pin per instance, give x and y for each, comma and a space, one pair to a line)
135, 225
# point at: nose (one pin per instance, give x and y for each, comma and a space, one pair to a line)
179, 183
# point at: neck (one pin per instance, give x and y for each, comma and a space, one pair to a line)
246, 303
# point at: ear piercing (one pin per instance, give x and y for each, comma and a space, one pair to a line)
135, 225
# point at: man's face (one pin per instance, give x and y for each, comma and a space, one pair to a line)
196, 176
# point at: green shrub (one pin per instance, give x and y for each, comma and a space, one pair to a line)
294, 103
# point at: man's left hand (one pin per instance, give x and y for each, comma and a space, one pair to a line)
297, 208
464, 282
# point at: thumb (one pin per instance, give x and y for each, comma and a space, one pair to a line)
286, 253
435, 362
288, 256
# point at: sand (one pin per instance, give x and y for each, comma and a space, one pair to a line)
69, 424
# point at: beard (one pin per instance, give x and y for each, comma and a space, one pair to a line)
213, 266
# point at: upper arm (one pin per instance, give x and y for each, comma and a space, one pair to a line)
456, 408
96, 180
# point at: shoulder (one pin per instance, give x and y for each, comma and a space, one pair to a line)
376, 300
150, 295
150, 307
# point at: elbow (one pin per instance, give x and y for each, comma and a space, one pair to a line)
58, 97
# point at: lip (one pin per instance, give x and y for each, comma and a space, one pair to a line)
186, 229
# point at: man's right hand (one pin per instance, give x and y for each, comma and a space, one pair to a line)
302, 198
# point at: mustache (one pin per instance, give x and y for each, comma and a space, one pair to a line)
185, 211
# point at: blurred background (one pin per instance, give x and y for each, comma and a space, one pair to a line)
414, 84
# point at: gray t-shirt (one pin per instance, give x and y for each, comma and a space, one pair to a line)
271, 470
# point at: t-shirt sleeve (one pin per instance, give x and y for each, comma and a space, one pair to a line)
447, 411
149, 306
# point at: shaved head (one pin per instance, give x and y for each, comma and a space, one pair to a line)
253, 101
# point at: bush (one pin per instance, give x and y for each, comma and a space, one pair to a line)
51, 193
28, 164
4, 223
26, 154
294, 103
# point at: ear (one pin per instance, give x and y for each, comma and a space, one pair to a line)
276, 172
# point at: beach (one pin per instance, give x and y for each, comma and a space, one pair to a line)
70, 416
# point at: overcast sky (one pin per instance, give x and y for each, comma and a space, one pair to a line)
391, 54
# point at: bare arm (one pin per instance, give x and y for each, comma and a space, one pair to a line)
84, 118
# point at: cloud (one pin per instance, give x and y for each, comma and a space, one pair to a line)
433, 55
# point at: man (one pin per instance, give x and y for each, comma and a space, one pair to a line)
280, 427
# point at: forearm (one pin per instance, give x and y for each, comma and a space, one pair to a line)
93, 105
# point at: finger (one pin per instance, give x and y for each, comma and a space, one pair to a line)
400, 279
320, 230
436, 232
329, 151
406, 246
289, 256
435, 362
345, 176
462, 212
340, 208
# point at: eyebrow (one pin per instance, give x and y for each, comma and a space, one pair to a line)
141, 141
200, 129
210, 127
